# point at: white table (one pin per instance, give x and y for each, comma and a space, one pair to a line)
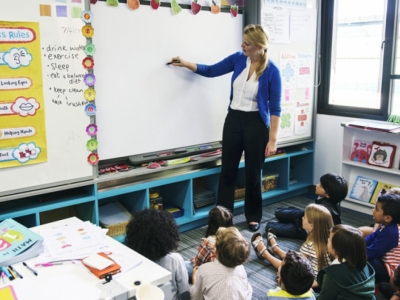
75, 282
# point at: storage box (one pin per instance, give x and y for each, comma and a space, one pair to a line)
269, 181
174, 210
114, 217
239, 194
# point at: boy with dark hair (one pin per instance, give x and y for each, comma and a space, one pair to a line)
331, 190
383, 249
295, 277
224, 278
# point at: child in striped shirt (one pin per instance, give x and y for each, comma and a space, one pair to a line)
317, 221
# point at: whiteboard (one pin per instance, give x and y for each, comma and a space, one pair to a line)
143, 104
65, 119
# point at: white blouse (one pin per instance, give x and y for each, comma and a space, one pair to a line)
245, 91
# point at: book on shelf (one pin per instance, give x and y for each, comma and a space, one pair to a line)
360, 151
363, 188
382, 154
18, 243
381, 189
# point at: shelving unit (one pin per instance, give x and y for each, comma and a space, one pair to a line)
351, 169
174, 183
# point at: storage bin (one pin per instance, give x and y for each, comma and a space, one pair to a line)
269, 181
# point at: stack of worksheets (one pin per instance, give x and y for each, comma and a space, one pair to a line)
73, 241
202, 197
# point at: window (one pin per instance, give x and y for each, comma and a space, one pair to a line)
359, 59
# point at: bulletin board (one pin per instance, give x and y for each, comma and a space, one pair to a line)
293, 26
42, 108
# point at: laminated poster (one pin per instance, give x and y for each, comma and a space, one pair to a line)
22, 110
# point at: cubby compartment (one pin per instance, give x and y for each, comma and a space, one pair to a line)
209, 183
179, 195
301, 170
279, 167
132, 201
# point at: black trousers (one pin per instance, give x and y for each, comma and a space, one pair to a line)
290, 223
243, 131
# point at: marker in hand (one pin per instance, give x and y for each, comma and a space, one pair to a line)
174, 61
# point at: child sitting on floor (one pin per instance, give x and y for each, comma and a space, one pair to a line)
224, 278
295, 277
218, 217
367, 230
154, 234
383, 248
331, 190
317, 221
349, 276
391, 291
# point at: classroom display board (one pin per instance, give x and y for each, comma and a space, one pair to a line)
42, 107
145, 105
292, 26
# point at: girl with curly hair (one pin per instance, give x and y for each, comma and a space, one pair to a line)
155, 235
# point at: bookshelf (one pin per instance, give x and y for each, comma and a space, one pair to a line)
352, 169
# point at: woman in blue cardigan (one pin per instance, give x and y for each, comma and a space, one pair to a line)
251, 124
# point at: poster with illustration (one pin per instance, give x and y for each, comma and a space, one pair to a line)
382, 155
22, 108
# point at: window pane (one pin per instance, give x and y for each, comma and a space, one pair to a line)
395, 98
396, 68
356, 53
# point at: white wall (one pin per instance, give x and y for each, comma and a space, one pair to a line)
328, 144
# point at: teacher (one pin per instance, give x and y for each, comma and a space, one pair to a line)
251, 124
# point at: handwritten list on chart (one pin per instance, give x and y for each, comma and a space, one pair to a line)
62, 61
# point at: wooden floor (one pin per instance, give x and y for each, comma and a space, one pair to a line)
262, 276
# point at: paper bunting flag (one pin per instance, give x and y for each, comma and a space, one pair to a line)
89, 94
92, 144
133, 4
155, 4
234, 10
176, 9
87, 31
91, 129
93, 1
89, 79
215, 6
87, 16
195, 7
90, 109
90, 49
88, 63
93, 158
112, 3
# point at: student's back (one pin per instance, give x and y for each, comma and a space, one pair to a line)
349, 276
225, 278
155, 235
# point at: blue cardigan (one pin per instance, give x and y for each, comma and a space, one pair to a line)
269, 87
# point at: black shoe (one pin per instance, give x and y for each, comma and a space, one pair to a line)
254, 227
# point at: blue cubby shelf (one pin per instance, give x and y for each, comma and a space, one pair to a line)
174, 183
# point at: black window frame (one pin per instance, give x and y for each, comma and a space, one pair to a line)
323, 106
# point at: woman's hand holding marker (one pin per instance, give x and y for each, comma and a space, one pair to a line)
179, 62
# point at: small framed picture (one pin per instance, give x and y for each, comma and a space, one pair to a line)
382, 154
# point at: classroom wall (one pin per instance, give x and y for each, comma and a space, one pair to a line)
328, 144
